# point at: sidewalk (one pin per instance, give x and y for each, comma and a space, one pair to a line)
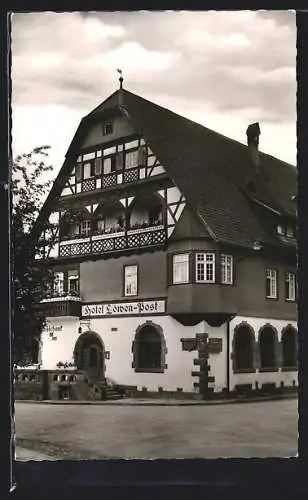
165, 402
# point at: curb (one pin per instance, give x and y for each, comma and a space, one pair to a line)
25, 455
160, 403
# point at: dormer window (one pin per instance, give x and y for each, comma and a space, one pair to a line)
290, 232
107, 128
286, 230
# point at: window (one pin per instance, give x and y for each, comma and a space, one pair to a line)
226, 269
243, 348
149, 349
108, 167
289, 347
109, 151
78, 172
131, 159
73, 282
87, 170
267, 343
74, 230
290, 286
132, 144
100, 225
98, 166
142, 155
88, 156
271, 284
119, 160
107, 128
290, 232
280, 229
130, 280
155, 215
58, 286
205, 268
181, 268
85, 227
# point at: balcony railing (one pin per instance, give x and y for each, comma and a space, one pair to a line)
62, 305
136, 237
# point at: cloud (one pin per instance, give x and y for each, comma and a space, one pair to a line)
232, 65
132, 56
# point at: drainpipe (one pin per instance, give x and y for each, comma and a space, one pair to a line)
228, 356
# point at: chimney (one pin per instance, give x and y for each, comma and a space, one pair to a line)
253, 132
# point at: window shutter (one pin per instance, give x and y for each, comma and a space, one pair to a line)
98, 166
192, 268
169, 269
141, 156
119, 160
286, 284
78, 172
87, 170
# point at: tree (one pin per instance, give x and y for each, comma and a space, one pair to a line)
31, 276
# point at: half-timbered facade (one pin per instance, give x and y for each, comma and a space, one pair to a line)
166, 232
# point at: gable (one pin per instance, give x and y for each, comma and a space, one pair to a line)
209, 170
189, 227
120, 128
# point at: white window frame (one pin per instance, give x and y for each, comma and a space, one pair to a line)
290, 286
271, 276
180, 268
226, 269
206, 263
73, 278
131, 280
98, 167
105, 126
87, 170
85, 224
78, 172
131, 159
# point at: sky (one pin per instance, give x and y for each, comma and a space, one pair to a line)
224, 70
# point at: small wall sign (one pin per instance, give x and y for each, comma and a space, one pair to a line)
51, 329
214, 345
124, 308
189, 344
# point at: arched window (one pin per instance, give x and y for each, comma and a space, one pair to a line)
289, 347
267, 343
243, 347
149, 349
109, 218
146, 211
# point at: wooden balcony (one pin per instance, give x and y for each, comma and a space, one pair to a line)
66, 305
113, 242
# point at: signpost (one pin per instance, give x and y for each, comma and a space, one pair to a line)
202, 344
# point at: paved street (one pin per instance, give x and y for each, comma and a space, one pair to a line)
264, 429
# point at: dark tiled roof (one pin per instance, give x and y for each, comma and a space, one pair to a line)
210, 169
213, 172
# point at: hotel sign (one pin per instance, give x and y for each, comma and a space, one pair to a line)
124, 308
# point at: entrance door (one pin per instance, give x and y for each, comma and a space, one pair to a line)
89, 354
